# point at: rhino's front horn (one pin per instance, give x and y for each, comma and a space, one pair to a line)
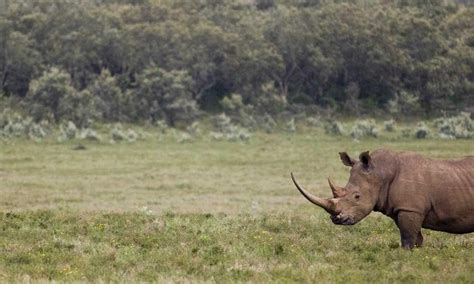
327, 204
336, 190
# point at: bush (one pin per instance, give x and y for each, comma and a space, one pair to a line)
89, 134
68, 131
404, 103
166, 95
334, 128
313, 121
290, 125
228, 131
364, 128
267, 123
184, 137
111, 103
232, 104
389, 125
78, 107
459, 127
193, 129
47, 92
422, 131
269, 100
14, 125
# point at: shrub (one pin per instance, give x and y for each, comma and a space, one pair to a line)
389, 125
47, 92
290, 125
404, 103
111, 103
78, 107
267, 123
68, 131
364, 128
193, 129
313, 121
232, 104
162, 126
334, 128
118, 134
460, 126
89, 134
422, 131
37, 132
166, 95
184, 137
227, 130
269, 100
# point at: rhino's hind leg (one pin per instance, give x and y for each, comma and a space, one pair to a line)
409, 224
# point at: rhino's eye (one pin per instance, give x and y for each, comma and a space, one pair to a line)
357, 196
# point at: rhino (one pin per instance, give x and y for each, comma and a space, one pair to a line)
415, 191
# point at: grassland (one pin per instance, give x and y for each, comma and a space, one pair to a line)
205, 211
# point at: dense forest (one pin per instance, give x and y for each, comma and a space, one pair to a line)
141, 60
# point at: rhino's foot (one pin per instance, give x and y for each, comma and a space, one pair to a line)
419, 240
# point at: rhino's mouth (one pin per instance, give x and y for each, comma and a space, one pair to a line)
341, 219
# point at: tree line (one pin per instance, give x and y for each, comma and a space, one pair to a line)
135, 60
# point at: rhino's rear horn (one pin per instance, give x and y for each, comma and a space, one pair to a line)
337, 191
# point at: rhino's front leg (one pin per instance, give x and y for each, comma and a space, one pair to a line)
409, 224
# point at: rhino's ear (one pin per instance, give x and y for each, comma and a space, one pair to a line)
346, 160
365, 159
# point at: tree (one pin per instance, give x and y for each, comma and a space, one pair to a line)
166, 95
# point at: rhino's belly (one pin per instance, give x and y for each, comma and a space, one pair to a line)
460, 224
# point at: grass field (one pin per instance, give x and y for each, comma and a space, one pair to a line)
205, 211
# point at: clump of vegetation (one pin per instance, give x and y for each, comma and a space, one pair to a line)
269, 100
364, 128
267, 123
422, 131
389, 125
334, 127
118, 134
194, 129
89, 134
456, 127
67, 131
290, 125
166, 95
314, 121
234, 107
13, 124
183, 137
227, 130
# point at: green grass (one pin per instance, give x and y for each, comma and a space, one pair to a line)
205, 211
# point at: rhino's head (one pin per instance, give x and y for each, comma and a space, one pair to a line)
357, 199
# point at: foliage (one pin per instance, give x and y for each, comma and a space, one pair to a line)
227, 130
460, 126
119, 134
166, 95
166, 60
422, 131
364, 128
46, 95
111, 103
389, 125
334, 128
